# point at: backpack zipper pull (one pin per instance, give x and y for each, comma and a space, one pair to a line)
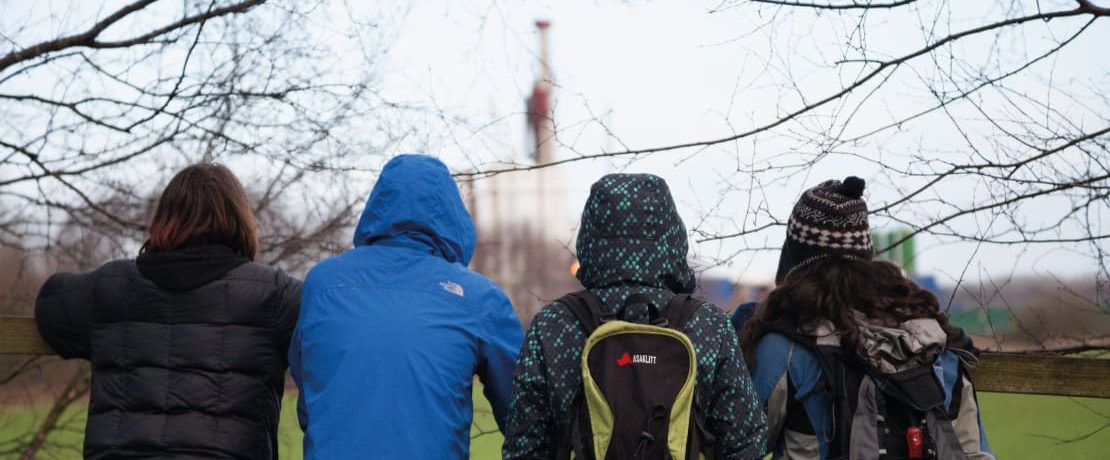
658, 412
915, 442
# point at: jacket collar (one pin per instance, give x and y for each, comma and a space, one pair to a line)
188, 268
912, 343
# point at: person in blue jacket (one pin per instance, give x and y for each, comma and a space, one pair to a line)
832, 297
392, 332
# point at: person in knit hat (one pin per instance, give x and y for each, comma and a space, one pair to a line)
829, 219
843, 340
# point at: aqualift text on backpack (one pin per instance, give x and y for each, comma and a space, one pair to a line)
638, 397
628, 359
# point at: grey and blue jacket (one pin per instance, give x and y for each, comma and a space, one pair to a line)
631, 241
788, 379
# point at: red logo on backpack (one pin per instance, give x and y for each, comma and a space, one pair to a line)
624, 360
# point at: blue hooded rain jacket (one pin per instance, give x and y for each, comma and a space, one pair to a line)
392, 331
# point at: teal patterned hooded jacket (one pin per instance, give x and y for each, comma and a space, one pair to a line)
631, 240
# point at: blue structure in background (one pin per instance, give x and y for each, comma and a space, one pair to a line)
718, 291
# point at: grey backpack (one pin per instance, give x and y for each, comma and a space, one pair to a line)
878, 415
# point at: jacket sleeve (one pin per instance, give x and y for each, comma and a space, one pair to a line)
289, 309
499, 348
772, 357
295, 372
63, 312
734, 413
295, 368
969, 425
530, 416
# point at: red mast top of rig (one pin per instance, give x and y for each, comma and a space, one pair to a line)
540, 122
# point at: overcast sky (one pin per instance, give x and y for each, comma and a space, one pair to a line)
659, 73
638, 74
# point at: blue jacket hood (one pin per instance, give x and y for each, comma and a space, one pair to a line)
416, 203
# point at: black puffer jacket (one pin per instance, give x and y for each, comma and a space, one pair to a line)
188, 352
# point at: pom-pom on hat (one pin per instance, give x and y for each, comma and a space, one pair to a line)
829, 219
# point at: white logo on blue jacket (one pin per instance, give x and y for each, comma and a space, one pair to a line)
452, 287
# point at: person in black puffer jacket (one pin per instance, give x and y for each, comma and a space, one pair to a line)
188, 341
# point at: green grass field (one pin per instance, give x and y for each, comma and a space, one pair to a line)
482, 446
1018, 426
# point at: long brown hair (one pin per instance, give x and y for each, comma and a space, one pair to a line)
830, 288
203, 204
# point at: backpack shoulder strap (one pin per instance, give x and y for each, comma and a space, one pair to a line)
825, 358
680, 309
586, 308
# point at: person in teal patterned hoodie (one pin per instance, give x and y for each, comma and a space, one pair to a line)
631, 241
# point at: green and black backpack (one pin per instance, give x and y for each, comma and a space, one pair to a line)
638, 398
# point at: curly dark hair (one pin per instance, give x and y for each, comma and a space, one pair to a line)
830, 288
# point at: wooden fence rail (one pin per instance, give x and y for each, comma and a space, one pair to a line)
997, 372
20, 336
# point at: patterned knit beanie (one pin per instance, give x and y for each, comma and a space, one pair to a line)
829, 219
